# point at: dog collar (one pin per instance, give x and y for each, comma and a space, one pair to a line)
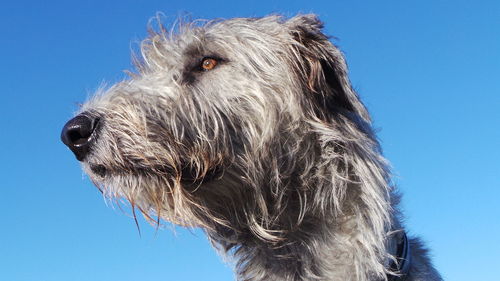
402, 264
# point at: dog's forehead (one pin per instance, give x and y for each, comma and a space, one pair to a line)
227, 35
240, 39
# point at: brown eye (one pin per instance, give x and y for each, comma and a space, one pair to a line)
209, 63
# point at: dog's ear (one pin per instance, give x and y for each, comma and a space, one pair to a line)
323, 70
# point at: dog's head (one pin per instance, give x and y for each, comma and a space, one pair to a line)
238, 126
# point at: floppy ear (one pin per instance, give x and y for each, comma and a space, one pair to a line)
323, 70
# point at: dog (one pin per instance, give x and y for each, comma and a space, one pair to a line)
249, 128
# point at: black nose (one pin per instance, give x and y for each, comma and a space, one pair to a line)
79, 134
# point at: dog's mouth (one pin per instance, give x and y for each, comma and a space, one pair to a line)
187, 174
99, 170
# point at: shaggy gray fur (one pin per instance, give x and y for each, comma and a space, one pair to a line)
271, 152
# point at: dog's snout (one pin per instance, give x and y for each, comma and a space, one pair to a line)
79, 134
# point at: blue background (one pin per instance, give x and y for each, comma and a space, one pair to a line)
428, 71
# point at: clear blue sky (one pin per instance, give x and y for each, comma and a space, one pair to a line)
428, 70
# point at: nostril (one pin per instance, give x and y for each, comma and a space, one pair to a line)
80, 130
79, 133
76, 137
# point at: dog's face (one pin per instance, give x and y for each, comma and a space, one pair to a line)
189, 137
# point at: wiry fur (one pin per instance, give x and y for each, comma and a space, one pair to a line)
271, 153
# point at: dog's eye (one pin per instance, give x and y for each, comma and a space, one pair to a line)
208, 63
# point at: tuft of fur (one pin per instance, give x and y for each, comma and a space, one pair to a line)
272, 153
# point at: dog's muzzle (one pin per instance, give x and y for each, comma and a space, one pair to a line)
79, 134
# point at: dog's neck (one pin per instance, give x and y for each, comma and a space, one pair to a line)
333, 224
337, 251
